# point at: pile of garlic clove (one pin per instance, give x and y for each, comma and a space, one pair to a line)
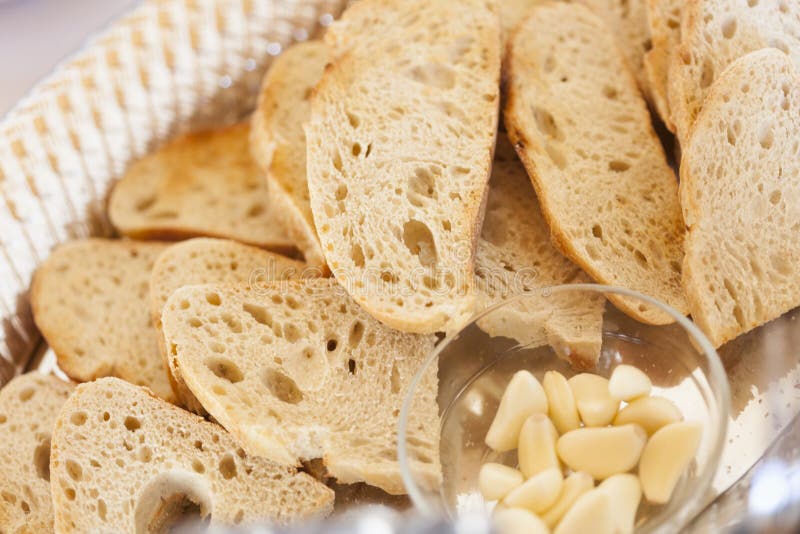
571, 433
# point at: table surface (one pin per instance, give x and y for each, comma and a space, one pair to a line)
35, 35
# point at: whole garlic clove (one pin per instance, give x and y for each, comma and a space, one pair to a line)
537, 493
495, 481
666, 457
518, 521
625, 491
561, 401
604, 451
574, 486
595, 404
537, 445
523, 396
591, 513
628, 383
650, 413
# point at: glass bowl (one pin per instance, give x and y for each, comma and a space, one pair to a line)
539, 331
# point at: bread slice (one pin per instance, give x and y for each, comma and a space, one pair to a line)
278, 142
90, 301
664, 17
584, 134
400, 146
627, 19
203, 184
29, 405
297, 370
515, 255
740, 191
205, 260
714, 33
124, 461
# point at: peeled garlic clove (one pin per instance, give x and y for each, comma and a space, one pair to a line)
537, 493
496, 480
628, 382
650, 413
625, 492
594, 402
561, 401
590, 513
604, 451
523, 396
537, 445
665, 458
518, 521
574, 486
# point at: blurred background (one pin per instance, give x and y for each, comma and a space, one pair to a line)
35, 35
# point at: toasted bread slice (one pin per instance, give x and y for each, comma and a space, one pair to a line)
203, 184
29, 405
714, 33
125, 461
515, 255
205, 260
278, 142
297, 371
400, 144
664, 18
740, 191
90, 300
628, 21
584, 134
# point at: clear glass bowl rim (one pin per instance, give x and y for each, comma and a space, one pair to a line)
718, 381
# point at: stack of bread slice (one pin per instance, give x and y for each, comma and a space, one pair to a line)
377, 153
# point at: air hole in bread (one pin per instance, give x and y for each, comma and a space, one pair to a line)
259, 313
170, 500
225, 369
419, 241
255, 210
356, 149
291, 333
641, 259
132, 423
41, 459
145, 204
10, 498
609, 92
238, 517
78, 418
547, 123
775, 197
618, 166
198, 466
766, 137
331, 346
394, 379
165, 214
421, 184
3, 418
434, 74
729, 27
26, 394
282, 387
707, 74
351, 366
74, 470
213, 299
357, 254
337, 161
69, 493
144, 454
597, 231
556, 156
102, 509
356, 333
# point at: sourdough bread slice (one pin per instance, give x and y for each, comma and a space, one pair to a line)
90, 301
740, 191
278, 142
584, 134
29, 405
124, 461
627, 19
205, 260
203, 184
400, 144
664, 17
297, 370
515, 256
714, 33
